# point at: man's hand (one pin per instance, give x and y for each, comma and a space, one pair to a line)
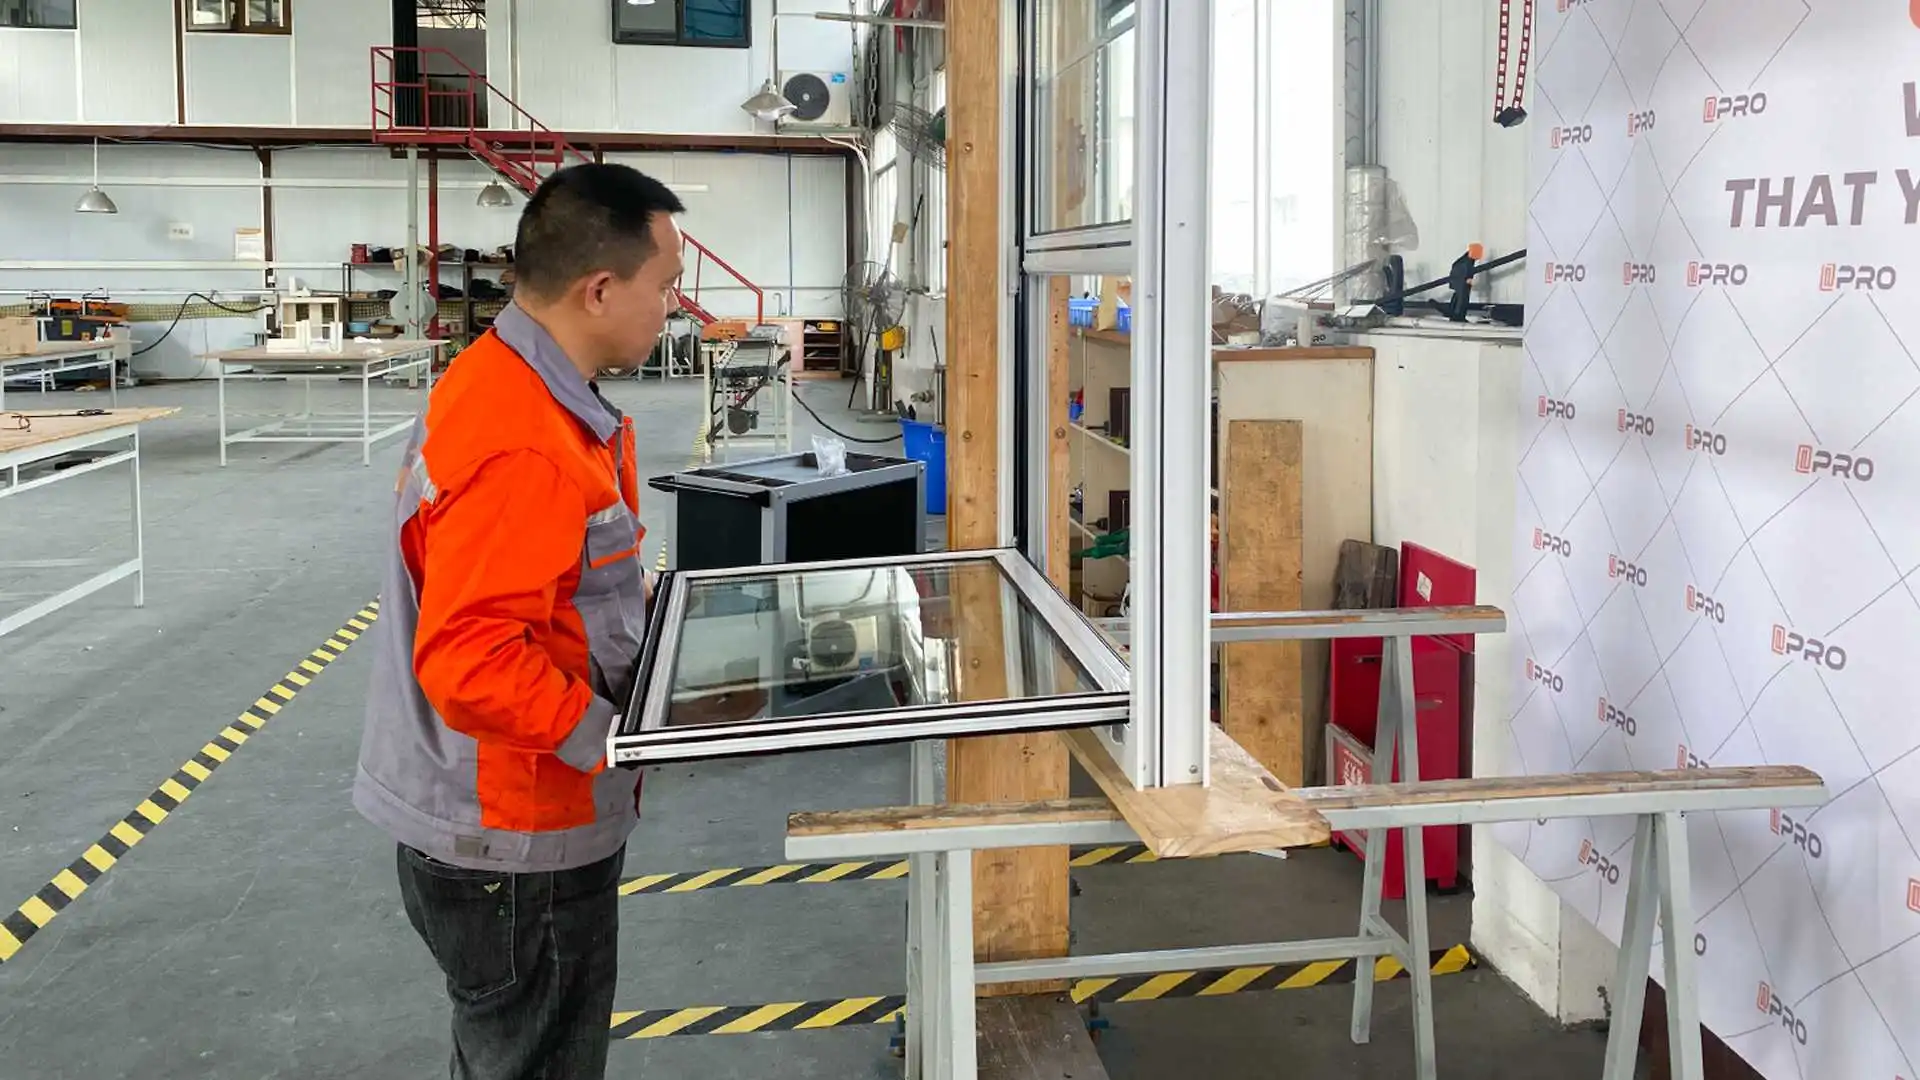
650, 579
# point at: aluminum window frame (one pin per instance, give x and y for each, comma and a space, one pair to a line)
645, 739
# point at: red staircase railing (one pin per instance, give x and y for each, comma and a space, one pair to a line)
412, 107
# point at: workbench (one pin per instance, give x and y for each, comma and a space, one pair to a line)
53, 358
364, 362
1245, 808
49, 437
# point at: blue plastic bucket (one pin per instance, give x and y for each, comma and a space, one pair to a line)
928, 445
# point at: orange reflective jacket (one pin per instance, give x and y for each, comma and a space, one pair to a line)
511, 617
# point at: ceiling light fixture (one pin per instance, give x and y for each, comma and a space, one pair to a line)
95, 201
770, 105
495, 196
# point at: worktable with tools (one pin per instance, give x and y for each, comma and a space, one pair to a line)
31, 443
364, 362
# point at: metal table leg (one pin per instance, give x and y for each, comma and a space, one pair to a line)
1629, 996
139, 531
1419, 965
922, 927
1676, 915
220, 377
954, 1049
366, 418
1385, 745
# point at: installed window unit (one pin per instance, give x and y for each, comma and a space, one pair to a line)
238, 16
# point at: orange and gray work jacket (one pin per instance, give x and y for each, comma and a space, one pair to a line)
511, 617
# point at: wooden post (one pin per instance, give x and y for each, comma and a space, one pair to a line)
1020, 896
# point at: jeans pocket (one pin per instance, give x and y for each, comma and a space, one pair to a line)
467, 919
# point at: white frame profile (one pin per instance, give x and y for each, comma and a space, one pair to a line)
1166, 250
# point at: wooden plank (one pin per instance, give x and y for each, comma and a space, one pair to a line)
948, 816
1229, 354
51, 427
1333, 399
1367, 576
1242, 808
1060, 537
1020, 896
1035, 1038
1262, 706
1560, 785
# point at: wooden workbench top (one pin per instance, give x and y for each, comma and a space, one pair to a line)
49, 349
354, 354
51, 427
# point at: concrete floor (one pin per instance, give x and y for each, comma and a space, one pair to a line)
257, 932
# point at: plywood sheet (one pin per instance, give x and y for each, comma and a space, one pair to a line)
50, 426
1262, 703
1333, 400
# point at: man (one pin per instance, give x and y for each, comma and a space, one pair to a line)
510, 624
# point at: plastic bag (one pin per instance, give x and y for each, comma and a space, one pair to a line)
830, 454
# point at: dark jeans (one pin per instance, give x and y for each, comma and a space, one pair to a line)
530, 962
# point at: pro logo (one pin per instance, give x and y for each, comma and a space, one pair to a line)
1636, 273
1576, 135
1638, 423
1536, 673
1733, 106
1618, 717
1556, 409
1690, 760
1706, 273
1706, 441
1546, 541
1803, 838
1618, 567
1608, 870
1705, 606
1639, 122
1913, 895
1835, 277
1810, 459
1570, 272
1790, 644
1771, 1004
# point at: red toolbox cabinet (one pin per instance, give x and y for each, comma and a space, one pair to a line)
1441, 666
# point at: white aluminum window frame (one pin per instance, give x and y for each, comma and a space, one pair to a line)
1167, 251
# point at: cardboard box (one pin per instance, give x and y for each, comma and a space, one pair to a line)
19, 335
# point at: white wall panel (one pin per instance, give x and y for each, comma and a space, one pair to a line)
126, 76
239, 79
39, 77
332, 76
566, 75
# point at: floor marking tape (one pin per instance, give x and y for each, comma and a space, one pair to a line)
855, 1011
17, 928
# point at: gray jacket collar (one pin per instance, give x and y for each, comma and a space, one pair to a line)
543, 354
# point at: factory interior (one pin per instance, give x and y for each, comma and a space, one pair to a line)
1329, 538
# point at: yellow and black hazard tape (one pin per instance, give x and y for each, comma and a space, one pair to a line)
734, 877
848, 1012
17, 928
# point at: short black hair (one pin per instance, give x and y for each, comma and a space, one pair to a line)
588, 218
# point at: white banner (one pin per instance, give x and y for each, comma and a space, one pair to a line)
1719, 493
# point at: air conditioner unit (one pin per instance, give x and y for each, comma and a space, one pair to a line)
821, 99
